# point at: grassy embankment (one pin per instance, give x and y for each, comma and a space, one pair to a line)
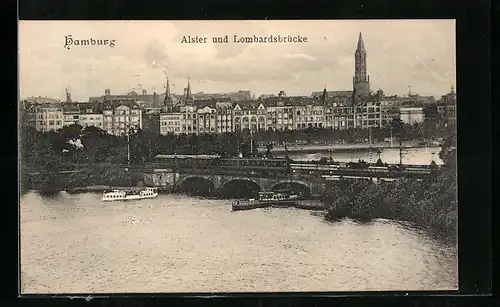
108, 176
429, 204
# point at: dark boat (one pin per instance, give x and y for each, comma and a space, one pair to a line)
282, 198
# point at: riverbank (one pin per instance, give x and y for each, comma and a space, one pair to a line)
93, 178
101, 188
430, 204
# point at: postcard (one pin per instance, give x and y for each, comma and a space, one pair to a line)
237, 156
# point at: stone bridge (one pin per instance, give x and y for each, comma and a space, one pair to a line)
169, 179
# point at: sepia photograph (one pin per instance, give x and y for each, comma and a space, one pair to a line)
237, 156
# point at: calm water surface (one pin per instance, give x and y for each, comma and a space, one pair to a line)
76, 243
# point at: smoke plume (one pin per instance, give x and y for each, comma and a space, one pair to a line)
156, 56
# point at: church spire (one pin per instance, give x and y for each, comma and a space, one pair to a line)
68, 96
189, 95
168, 97
324, 96
361, 80
361, 45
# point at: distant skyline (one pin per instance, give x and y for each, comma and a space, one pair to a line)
400, 53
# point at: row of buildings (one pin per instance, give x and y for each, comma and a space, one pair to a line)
168, 113
223, 115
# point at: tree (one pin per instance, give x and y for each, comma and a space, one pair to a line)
269, 147
245, 150
397, 126
448, 153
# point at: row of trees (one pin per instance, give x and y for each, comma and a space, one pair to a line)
93, 145
74, 145
431, 203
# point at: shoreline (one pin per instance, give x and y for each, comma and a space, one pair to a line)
445, 236
99, 189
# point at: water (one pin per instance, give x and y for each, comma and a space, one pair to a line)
174, 243
422, 156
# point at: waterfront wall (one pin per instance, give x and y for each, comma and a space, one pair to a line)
91, 176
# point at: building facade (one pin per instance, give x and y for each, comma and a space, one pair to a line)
446, 108
45, 117
151, 120
83, 114
367, 116
280, 115
390, 110
71, 114
207, 119
249, 115
189, 118
121, 116
91, 120
338, 117
412, 115
171, 123
308, 113
224, 112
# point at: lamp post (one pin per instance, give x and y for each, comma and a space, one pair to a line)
391, 136
400, 153
251, 140
128, 146
370, 140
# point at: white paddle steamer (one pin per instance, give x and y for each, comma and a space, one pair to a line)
118, 195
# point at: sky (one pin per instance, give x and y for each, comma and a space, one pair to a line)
400, 53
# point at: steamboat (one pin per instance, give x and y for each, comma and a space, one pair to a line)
284, 198
119, 195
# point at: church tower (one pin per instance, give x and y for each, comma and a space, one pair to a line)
188, 97
168, 103
324, 96
361, 80
68, 96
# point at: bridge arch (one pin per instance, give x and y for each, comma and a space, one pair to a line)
297, 186
196, 185
240, 187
